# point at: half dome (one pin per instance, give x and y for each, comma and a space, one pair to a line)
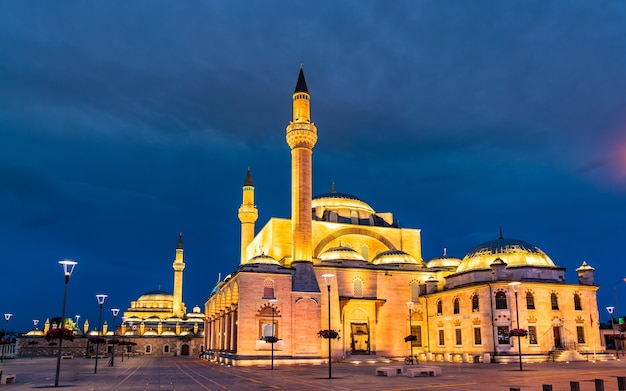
262, 260
443, 261
514, 253
341, 253
393, 257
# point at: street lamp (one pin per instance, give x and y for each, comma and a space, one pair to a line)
515, 286
272, 301
328, 278
35, 323
68, 268
409, 305
6, 327
100, 298
114, 311
610, 310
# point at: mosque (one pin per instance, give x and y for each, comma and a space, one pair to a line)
337, 264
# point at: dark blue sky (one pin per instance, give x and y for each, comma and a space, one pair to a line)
124, 123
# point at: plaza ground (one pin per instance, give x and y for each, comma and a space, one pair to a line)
191, 374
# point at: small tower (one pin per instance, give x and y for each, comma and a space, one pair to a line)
585, 274
248, 214
179, 266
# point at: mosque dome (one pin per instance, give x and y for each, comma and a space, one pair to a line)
392, 257
156, 295
335, 201
341, 253
513, 252
262, 260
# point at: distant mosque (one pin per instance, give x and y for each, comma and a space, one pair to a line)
160, 313
339, 265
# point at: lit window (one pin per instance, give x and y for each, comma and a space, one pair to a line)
503, 335
577, 305
477, 336
554, 300
442, 340
532, 335
439, 307
457, 306
475, 304
530, 301
501, 301
358, 287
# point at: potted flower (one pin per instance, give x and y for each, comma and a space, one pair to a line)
60, 333
328, 334
113, 341
617, 337
271, 339
97, 340
409, 338
518, 333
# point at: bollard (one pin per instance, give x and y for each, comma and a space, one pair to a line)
574, 386
599, 384
621, 383
547, 387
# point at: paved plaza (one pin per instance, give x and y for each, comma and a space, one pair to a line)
186, 374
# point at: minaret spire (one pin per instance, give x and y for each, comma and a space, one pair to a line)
248, 215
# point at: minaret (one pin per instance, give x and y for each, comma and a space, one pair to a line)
248, 214
301, 137
179, 266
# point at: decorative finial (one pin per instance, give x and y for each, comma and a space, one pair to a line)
501, 233
180, 240
300, 65
445, 252
332, 187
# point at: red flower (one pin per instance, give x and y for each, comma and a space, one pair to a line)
518, 333
328, 334
60, 333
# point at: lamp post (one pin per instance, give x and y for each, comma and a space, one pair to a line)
35, 323
114, 311
409, 305
132, 328
610, 310
6, 328
123, 336
77, 325
68, 268
328, 278
515, 286
100, 298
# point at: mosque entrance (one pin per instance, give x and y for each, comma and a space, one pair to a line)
360, 335
556, 331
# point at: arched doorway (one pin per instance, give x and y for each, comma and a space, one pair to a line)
184, 350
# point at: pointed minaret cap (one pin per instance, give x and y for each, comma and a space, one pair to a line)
248, 181
180, 241
301, 84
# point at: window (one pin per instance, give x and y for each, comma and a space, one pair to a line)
439, 307
415, 292
577, 305
530, 301
457, 308
148, 349
442, 340
554, 301
457, 337
475, 305
417, 332
166, 349
580, 334
501, 300
357, 287
267, 330
532, 335
503, 335
268, 288
477, 336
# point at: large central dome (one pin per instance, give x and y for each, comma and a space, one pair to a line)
513, 252
337, 201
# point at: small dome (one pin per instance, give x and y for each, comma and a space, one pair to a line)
262, 260
444, 261
510, 251
393, 256
341, 253
196, 310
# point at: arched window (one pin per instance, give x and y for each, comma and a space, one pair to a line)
577, 305
268, 288
475, 305
501, 300
439, 307
554, 300
357, 286
530, 301
457, 307
415, 291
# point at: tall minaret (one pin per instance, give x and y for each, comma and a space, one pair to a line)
248, 214
179, 266
301, 137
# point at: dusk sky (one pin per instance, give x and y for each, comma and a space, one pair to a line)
126, 122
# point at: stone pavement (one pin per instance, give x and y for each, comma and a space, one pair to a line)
188, 373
